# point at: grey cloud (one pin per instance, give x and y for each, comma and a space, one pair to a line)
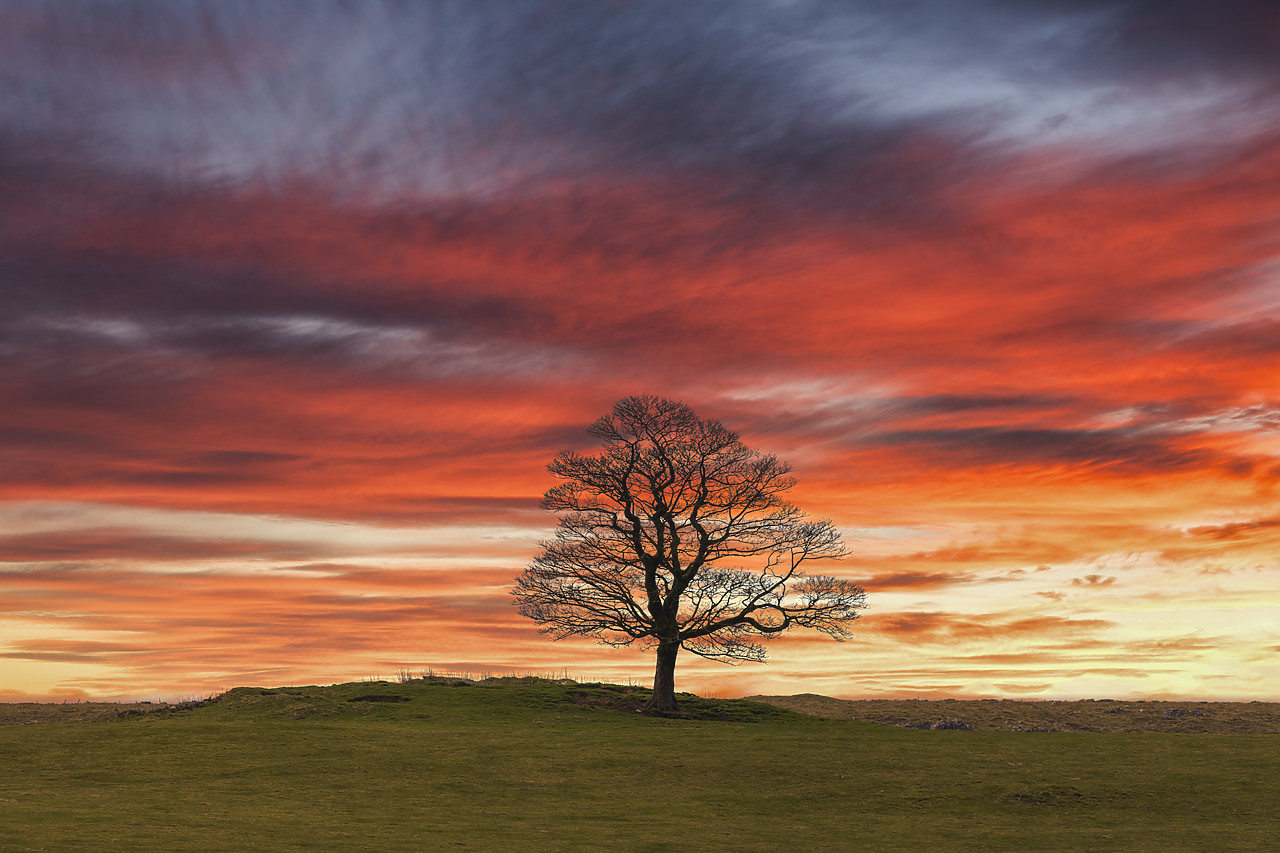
772, 114
464, 97
703, 90
1182, 38
1173, 38
516, 119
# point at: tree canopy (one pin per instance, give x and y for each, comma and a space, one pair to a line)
677, 535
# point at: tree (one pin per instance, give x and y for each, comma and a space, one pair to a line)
675, 536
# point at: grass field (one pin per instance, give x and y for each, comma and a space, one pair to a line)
539, 765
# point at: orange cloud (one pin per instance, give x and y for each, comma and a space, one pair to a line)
1018, 363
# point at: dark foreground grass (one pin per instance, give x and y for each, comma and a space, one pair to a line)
537, 766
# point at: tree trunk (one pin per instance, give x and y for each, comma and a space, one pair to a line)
664, 678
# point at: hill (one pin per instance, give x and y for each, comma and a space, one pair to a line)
526, 764
1088, 715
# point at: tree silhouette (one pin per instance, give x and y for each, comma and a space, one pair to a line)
675, 536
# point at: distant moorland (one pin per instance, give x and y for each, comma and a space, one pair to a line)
1013, 715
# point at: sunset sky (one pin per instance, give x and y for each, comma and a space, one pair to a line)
299, 299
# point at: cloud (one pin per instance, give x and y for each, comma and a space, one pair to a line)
231, 624
1114, 449
1178, 648
1022, 687
910, 580
943, 627
442, 98
997, 277
1236, 530
111, 544
1182, 38
1246, 544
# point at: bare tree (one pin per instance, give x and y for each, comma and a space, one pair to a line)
675, 535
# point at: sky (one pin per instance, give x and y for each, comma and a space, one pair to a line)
299, 300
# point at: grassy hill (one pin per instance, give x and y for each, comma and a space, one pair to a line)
527, 764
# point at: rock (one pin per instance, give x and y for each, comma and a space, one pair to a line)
952, 726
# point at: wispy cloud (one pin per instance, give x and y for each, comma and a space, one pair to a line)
999, 277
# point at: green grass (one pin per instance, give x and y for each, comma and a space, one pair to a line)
523, 766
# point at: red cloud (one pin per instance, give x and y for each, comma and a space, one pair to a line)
1039, 372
